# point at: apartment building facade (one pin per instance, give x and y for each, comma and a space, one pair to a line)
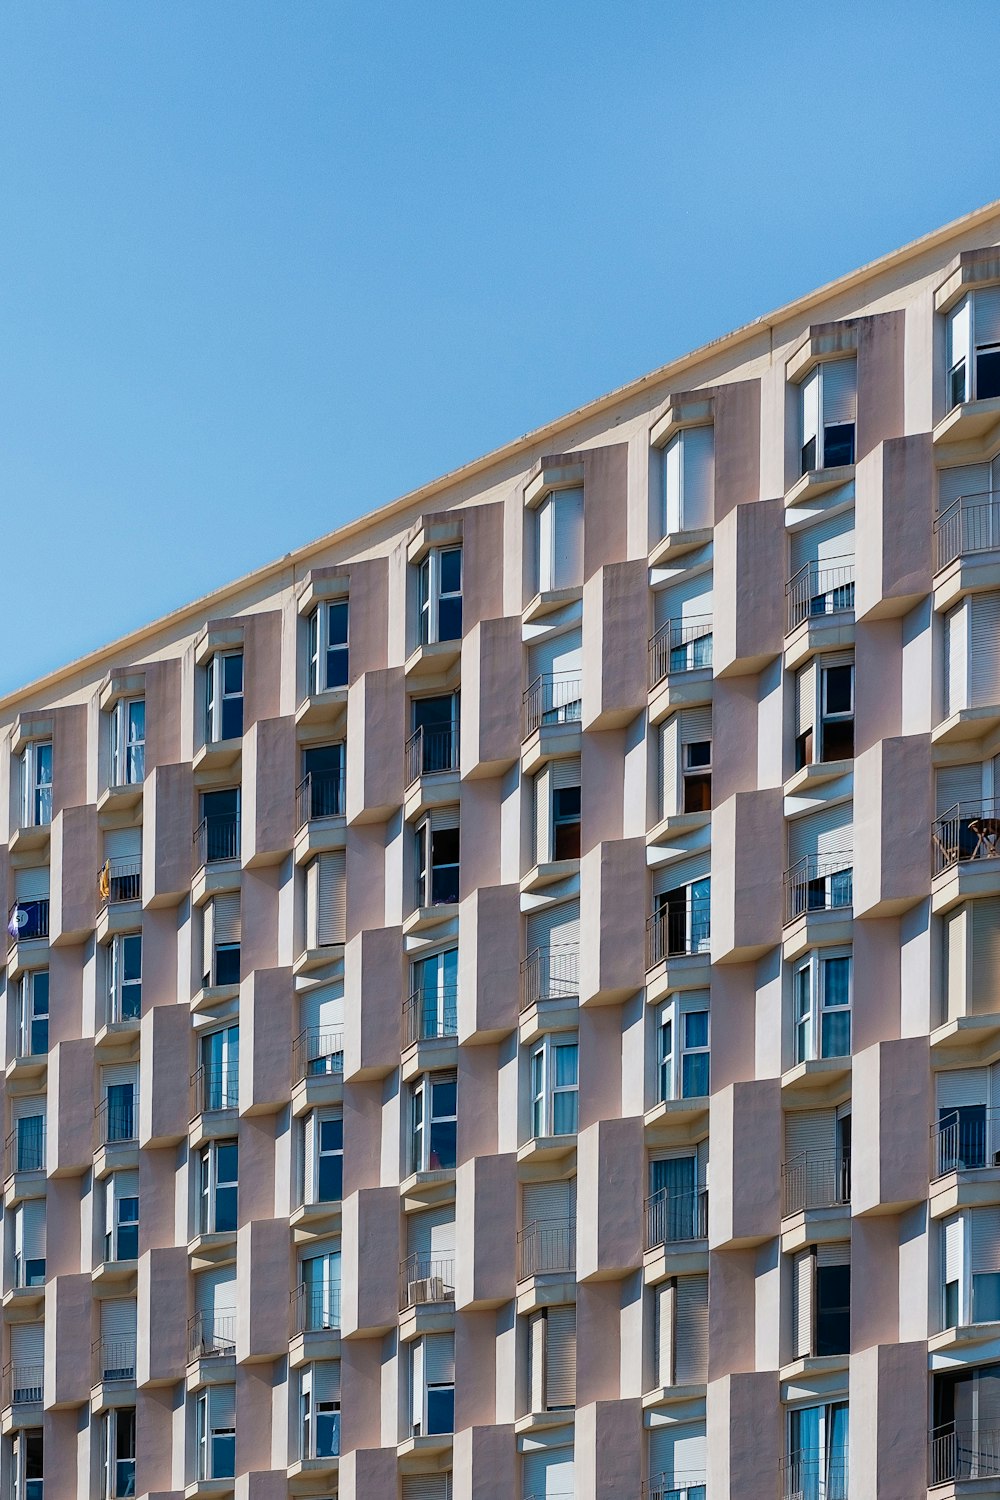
506, 1001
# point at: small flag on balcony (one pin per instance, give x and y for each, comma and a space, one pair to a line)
17, 921
104, 881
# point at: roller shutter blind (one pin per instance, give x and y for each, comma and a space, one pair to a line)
953, 1245
439, 1358
836, 1254
27, 1343
692, 1330
697, 476
565, 772
31, 1215
960, 341
536, 1360
560, 653
673, 486
840, 391
541, 809
548, 1472
984, 979
986, 316
548, 1200
226, 910
955, 784
954, 932
27, 1107
677, 1450
809, 408
322, 1009
222, 1407
427, 1486
956, 653
962, 1086
33, 884
813, 1130
566, 512
560, 1357
803, 1278
824, 541
215, 1292
114, 1075
554, 925
965, 480
695, 724
985, 1240
665, 1302
668, 767
326, 893
681, 872
431, 1234
985, 646
805, 699
118, 1318
685, 600
821, 833
326, 1380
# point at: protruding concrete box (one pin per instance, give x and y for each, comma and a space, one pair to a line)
894, 527
608, 1456
744, 1420
748, 596
615, 632
165, 1055
748, 858
68, 1309
364, 1472
892, 1112
485, 1464
73, 889
888, 1457
610, 1186
371, 1242
162, 1301
266, 1026
744, 1202
262, 1295
492, 673
71, 1108
376, 743
613, 881
373, 1006
168, 833
267, 814
485, 1213
880, 341
893, 814
489, 939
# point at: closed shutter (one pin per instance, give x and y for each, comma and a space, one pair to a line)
439, 1358
548, 1472
809, 399
692, 1330
222, 1407
687, 599
840, 391
27, 1343
696, 725
32, 1218
666, 1300
536, 1361
567, 551
554, 925
322, 1009
677, 1451
961, 1086
31, 885
985, 664
118, 1318
208, 942
958, 784
824, 541
331, 916
310, 1127
965, 480
984, 919
548, 1200
955, 961
956, 650
673, 486
813, 1130
698, 454
123, 843
668, 766
431, 1234
836, 1254
115, 1075
821, 833
541, 815
227, 918
985, 1240
560, 1357
805, 699
214, 1292
427, 1486
803, 1266
326, 1380
565, 772
27, 1107
986, 316
681, 872
560, 653
953, 1244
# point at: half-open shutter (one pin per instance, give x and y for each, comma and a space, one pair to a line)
986, 316
687, 600
803, 1267
331, 919
560, 1357
557, 654
681, 872
953, 1246
955, 784
222, 1401
956, 658
836, 1253
821, 834
955, 961
695, 724
227, 917
666, 1301
31, 884
32, 1219
427, 1486
805, 699
691, 1356
810, 1130
123, 843
962, 1086
824, 541
567, 544
984, 976
698, 481
840, 391
552, 926
985, 647
118, 1318
809, 408
439, 1358
677, 1451
548, 1472
985, 1240
431, 1234
548, 1200
322, 1009
326, 1380
668, 767
536, 1360
541, 814
962, 482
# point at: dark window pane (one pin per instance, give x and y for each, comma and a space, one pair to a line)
445, 846
128, 1242
227, 963
838, 739
227, 1161
699, 754
985, 1297
444, 886
987, 374
441, 1409
443, 1144
566, 842
694, 1075
450, 619
132, 957
232, 674
336, 667
331, 1178
445, 1098
809, 456
833, 1309
338, 623
698, 793
225, 1210
838, 445
232, 718
216, 804
331, 1135
323, 758
451, 571
839, 689
951, 1304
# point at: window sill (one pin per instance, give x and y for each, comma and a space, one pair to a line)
320, 1467
677, 543
27, 1067
107, 1395
433, 658
542, 1421
679, 690
961, 1337
426, 1447
20, 1186
322, 708
318, 835
812, 1365
214, 995
114, 1273
28, 953
969, 1188
816, 633
966, 1040
815, 1226
971, 422
426, 1317
430, 916
210, 1489
23, 1297
666, 1395
541, 875
420, 1189
318, 958
811, 1082
668, 1112
316, 1218
816, 929
317, 1089
217, 755
817, 774
120, 798
116, 1156
431, 1052
966, 724
676, 824
35, 836
549, 601
207, 1250
316, 1343
115, 1034
818, 482
547, 1148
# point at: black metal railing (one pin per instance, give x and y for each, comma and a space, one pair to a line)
318, 1053
431, 750
551, 973
114, 1359
117, 1120
679, 929
688, 1484
553, 698
120, 880
676, 1214
819, 882
815, 1179
680, 645
424, 1279
546, 1245
320, 794
218, 837
22, 1384
430, 1013
215, 1088
968, 525
814, 1474
27, 920
819, 588
24, 1148
316, 1307
212, 1334
965, 1140
964, 1450
967, 831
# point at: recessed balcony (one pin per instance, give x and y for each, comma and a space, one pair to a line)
965, 843
317, 1068
550, 976
431, 767
686, 1484
679, 657
315, 1317
113, 1372
819, 609
819, 896
426, 1281
966, 548
320, 807
815, 1474
961, 1452
815, 1180
675, 1216
551, 718
27, 929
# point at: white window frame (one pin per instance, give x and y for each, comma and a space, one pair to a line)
431, 595
818, 374
423, 861
809, 984
419, 1385
672, 1019
28, 1012
216, 696
114, 1220
969, 352
823, 1449
673, 517
36, 784
205, 1435
128, 753
544, 1089
117, 985
546, 532
19, 1481
422, 1091
109, 1445
312, 1137
208, 1183
320, 645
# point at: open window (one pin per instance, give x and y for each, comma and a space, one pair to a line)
36, 784
439, 596
555, 1083
434, 1122
689, 480
218, 1187
974, 347
224, 697
437, 843
824, 710
559, 541
828, 403
328, 646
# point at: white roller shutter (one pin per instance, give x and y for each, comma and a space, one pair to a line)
840, 391
327, 884
698, 477
222, 1399
439, 1358
824, 541
115, 1075
431, 1234
33, 884
985, 649
548, 1200
677, 1450
962, 482
215, 1292
27, 1107
560, 1357
986, 316
427, 1486
322, 1009
955, 949
558, 654
695, 724
548, 1472
960, 340
123, 843
805, 699
984, 979
27, 1343
803, 1268
985, 1240
565, 773
673, 486
956, 655
668, 767
666, 1301
554, 925
954, 784
810, 1130
836, 1254
227, 917
681, 872
566, 512
326, 1380
118, 1318
953, 1244
536, 1361
687, 599
809, 398
822, 833
692, 1330
962, 1086
31, 1217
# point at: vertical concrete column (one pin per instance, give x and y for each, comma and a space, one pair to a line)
748, 597
154, 1424
164, 1056
267, 797
485, 1216
893, 816
744, 1421
608, 1450
162, 1308
263, 1286
888, 1453
748, 859
489, 946
70, 1115
616, 627
894, 526
373, 1003
75, 857
613, 881
376, 739
892, 1110
485, 1464
371, 1245
266, 1035
610, 1186
744, 1201
68, 1338
492, 672
168, 807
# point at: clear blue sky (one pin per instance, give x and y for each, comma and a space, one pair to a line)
266, 264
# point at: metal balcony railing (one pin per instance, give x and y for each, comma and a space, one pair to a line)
679, 929
22, 1384
316, 1307
119, 880
964, 1450
551, 973
819, 882
114, 1359
28, 920
215, 1088
317, 1053
24, 1148
968, 525
431, 750
814, 1474
424, 1279
218, 837
320, 794
967, 831
545, 1246
212, 1334
819, 588
815, 1179
680, 645
117, 1121
430, 1013
688, 1484
965, 1140
553, 698
676, 1215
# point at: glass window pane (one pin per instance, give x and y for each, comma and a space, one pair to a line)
838, 689
450, 618
566, 1057
337, 623
836, 981
986, 1297
451, 570
445, 1098
232, 673
696, 1028
694, 1075
836, 1033
564, 1113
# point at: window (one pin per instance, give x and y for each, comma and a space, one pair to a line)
220, 1062
320, 1290
559, 540
128, 742
552, 1359
218, 1186
689, 480
682, 920
120, 1084
684, 1068
434, 1122
328, 1183
684, 768
220, 826
437, 848
816, 1461
28, 1224
433, 1005
36, 784
433, 744
224, 697
432, 1384
677, 1208
121, 1216
439, 596
118, 1453
681, 1331
554, 1085
556, 811
26, 1474
322, 791
696, 769
822, 993
821, 1301
28, 1154
974, 348
828, 412
33, 1013
328, 646
215, 1432
221, 937
326, 899
832, 710
319, 1410
970, 1261
123, 959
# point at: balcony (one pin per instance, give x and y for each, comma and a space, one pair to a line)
432, 750
674, 1216
24, 1148
965, 852
546, 1247
214, 1089
815, 1474
965, 1140
687, 1485
117, 1122
318, 1053
818, 883
319, 795
217, 837
22, 1384
969, 527
426, 1280
551, 973
316, 1308
114, 1360
551, 701
964, 1450
680, 929
119, 880
430, 1014
818, 591
212, 1335
28, 921
815, 1179
680, 645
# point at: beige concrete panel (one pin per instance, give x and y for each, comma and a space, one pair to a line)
478, 1090
485, 1464
602, 783
894, 534
748, 858
482, 563
475, 1369
267, 800
735, 719
158, 1169
253, 1431
256, 1195
605, 504
748, 598
601, 1064
598, 1334
364, 1472
492, 682
63, 1228
362, 1136
376, 741
893, 814
266, 1034
875, 1281
263, 1285
66, 970
365, 862
480, 813
608, 1450
877, 983
613, 884
168, 830
610, 1188
62, 1444
164, 1056
880, 380
261, 666
744, 1420
616, 628
889, 1421
744, 1203
162, 690
878, 677
486, 1208
71, 1108
68, 1337
892, 1111
369, 621
737, 406
69, 757
154, 1418
374, 987
259, 900
159, 957
733, 1010
371, 1242
76, 856
261, 1484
